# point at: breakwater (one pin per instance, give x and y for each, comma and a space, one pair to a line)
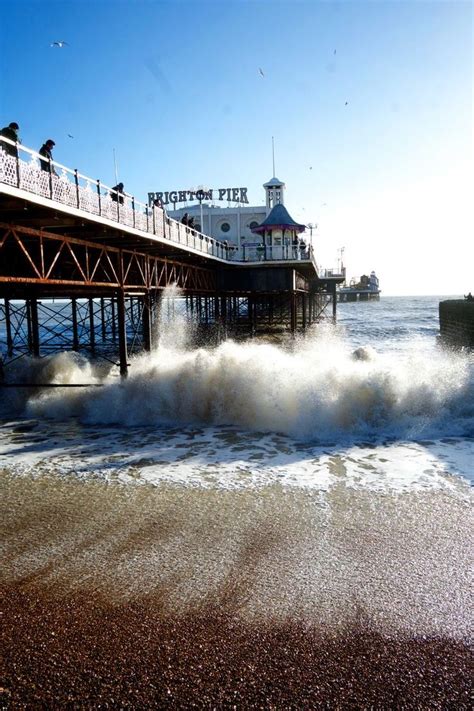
456, 322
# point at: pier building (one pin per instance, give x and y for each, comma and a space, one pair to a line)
107, 257
234, 223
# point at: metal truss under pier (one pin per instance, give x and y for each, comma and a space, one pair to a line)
114, 328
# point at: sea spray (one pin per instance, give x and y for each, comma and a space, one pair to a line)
316, 392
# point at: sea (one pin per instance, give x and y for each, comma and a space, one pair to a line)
323, 482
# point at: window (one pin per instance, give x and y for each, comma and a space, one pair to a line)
225, 227
253, 225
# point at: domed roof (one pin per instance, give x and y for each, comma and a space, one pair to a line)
273, 183
279, 218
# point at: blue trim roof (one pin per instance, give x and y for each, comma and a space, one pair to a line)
279, 218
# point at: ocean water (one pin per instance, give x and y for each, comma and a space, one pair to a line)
324, 482
375, 398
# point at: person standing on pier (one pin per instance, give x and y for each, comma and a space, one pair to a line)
11, 132
117, 193
46, 151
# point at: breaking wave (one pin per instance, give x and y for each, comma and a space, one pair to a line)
317, 391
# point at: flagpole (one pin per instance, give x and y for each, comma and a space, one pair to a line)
115, 168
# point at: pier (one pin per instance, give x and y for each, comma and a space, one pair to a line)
87, 266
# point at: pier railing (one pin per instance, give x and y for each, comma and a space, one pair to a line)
272, 253
23, 168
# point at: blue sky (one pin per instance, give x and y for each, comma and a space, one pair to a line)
175, 88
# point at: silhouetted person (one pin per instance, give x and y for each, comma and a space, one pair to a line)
117, 193
185, 219
46, 150
11, 132
191, 222
469, 297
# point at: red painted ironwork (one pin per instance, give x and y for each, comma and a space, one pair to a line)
32, 256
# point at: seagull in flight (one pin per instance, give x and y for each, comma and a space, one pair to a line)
69, 135
261, 71
59, 43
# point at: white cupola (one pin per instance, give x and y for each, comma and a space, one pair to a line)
274, 192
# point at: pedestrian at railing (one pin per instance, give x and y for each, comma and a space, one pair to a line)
117, 193
11, 132
46, 150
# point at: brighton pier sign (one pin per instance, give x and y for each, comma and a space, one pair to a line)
174, 196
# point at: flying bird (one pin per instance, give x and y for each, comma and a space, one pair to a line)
59, 43
335, 51
261, 71
346, 104
69, 135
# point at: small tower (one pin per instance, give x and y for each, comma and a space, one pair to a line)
274, 192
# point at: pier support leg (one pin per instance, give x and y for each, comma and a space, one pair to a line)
334, 302
75, 335
112, 320
122, 333
8, 325
102, 319
146, 321
303, 303
35, 344
293, 313
91, 326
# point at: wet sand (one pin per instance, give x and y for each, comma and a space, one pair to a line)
141, 597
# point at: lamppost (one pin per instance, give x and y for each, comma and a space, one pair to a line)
200, 194
312, 226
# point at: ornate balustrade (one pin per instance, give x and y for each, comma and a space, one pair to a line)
20, 167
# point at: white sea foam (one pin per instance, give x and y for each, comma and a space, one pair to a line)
316, 392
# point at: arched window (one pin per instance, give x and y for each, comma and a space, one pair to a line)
253, 225
225, 227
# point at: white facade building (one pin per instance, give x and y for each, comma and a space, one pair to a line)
234, 224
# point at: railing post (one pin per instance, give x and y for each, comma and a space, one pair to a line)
133, 208
17, 167
50, 179
154, 221
146, 213
98, 195
76, 180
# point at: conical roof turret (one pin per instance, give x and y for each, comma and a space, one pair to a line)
279, 218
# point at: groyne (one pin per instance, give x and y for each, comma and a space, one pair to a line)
456, 322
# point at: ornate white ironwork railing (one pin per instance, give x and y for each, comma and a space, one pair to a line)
273, 253
49, 179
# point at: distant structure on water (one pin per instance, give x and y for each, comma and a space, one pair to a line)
366, 288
